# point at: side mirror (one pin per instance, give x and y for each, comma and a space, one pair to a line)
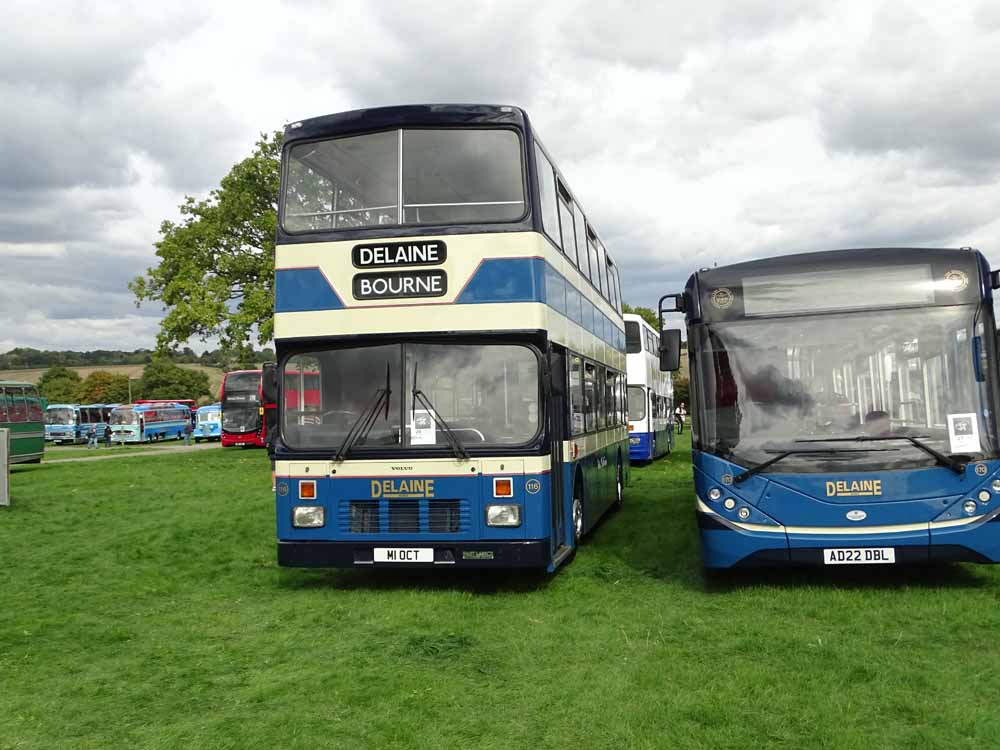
670, 350
995, 279
269, 383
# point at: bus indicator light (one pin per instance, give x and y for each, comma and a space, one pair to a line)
503, 487
307, 489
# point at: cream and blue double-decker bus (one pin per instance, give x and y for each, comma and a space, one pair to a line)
460, 321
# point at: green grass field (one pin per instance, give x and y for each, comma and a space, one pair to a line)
140, 607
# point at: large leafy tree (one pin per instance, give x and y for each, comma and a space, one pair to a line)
215, 276
103, 387
59, 384
645, 313
161, 378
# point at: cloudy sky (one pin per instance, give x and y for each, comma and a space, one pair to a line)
693, 132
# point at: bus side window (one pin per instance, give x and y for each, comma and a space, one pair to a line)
4, 416
599, 406
547, 195
34, 406
566, 227
576, 394
18, 408
602, 266
610, 388
589, 396
581, 240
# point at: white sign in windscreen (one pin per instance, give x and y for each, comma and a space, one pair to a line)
847, 289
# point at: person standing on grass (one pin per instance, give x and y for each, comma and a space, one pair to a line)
679, 415
107, 436
188, 429
92, 437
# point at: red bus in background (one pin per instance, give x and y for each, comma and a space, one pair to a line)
306, 383
245, 417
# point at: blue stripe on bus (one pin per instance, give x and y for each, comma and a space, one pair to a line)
303, 290
495, 280
506, 280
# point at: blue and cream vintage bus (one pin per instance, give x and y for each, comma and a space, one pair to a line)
73, 423
142, 423
63, 424
208, 423
650, 393
460, 319
844, 408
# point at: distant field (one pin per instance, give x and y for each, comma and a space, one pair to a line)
133, 371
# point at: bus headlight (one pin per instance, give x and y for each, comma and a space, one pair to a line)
744, 514
308, 516
715, 493
970, 506
996, 485
503, 515
984, 496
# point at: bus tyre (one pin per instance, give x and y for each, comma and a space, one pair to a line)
619, 486
577, 513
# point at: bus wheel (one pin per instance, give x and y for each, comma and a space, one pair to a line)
577, 512
619, 486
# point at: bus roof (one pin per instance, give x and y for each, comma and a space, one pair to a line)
409, 115
208, 407
838, 280
15, 383
62, 406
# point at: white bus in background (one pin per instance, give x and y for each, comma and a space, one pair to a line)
650, 393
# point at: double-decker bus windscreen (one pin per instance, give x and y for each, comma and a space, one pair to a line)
820, 382
241, 402
411, 177
486, 394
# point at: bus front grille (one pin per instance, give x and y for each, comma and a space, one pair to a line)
404, 516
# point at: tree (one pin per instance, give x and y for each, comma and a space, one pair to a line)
161, 378
682, 392
103, 387
216, 267
59, 384
645, 313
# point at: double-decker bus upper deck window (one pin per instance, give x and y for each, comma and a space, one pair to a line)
612, 286
567, 232
633, 337
581, 241
443, 176
602, 266
343, 183
549, 207
455, 176
595, 276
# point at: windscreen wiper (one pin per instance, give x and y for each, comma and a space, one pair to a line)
916, 441
742, 477
449, 434
364, 423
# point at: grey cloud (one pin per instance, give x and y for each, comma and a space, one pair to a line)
906, 95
